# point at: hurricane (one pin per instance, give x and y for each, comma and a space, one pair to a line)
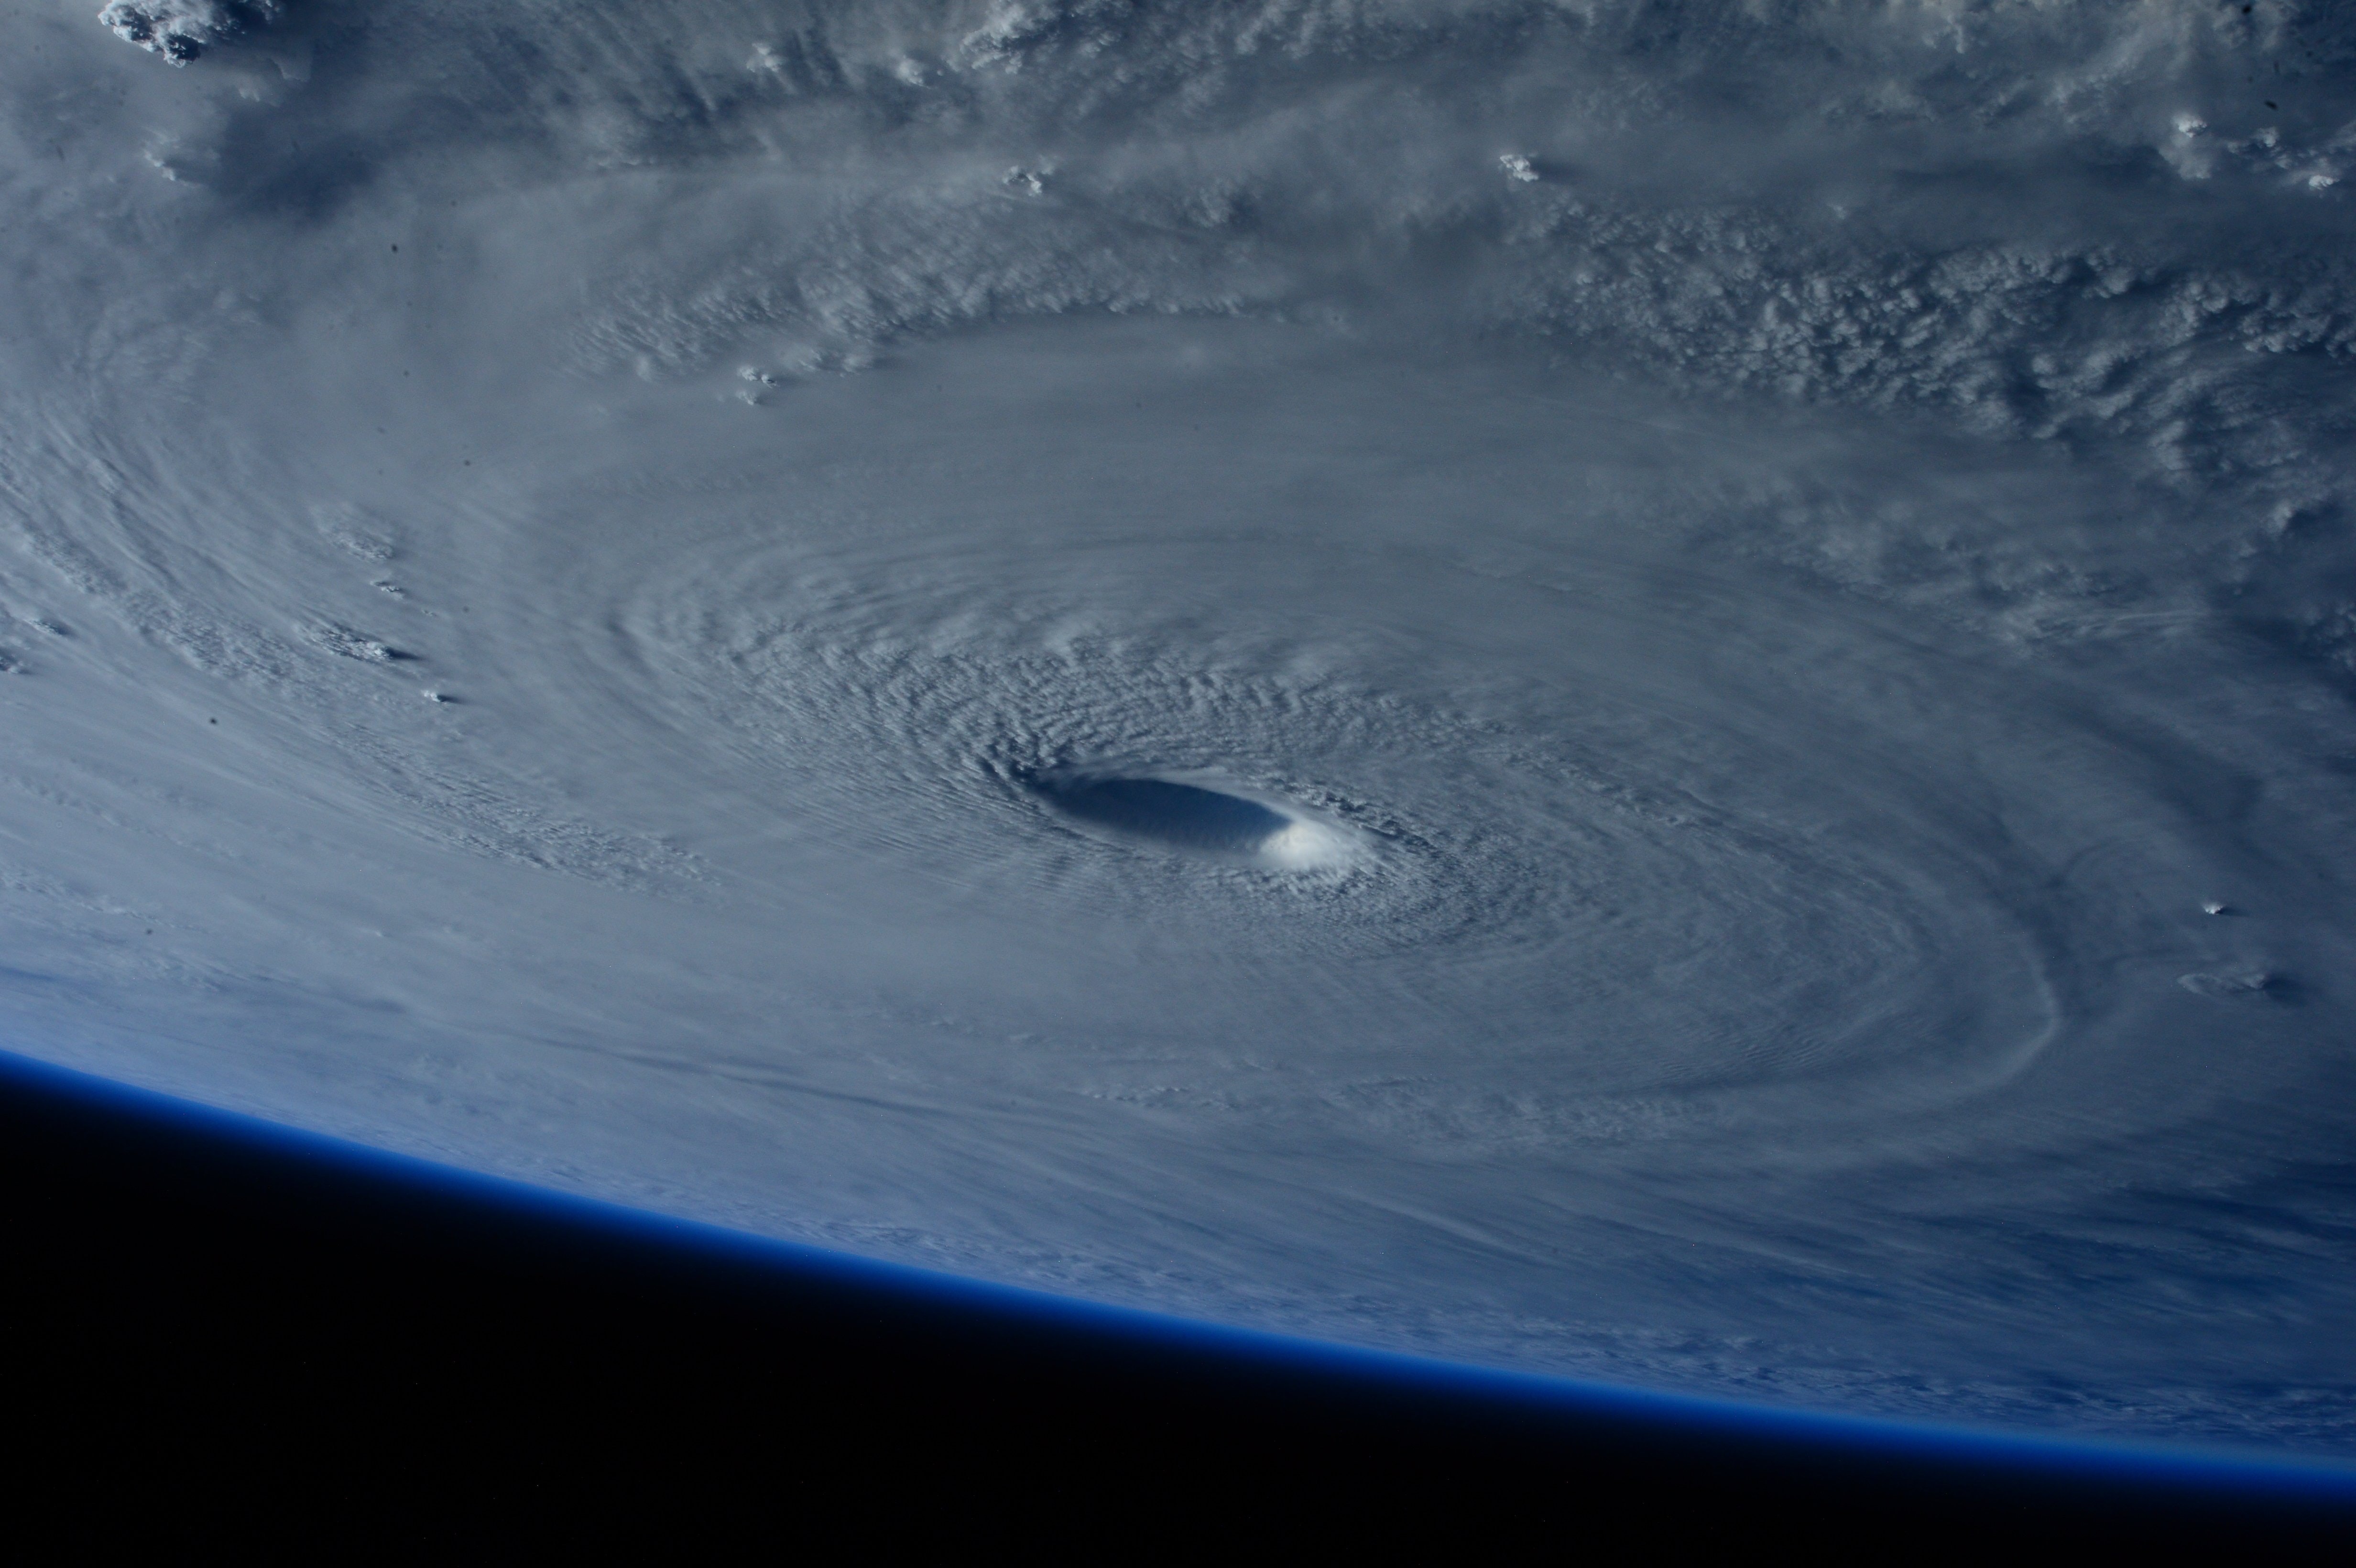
1657, 691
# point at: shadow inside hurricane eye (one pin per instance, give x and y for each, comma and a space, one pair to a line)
1183, 816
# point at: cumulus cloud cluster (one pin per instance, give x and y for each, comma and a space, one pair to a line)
180, 30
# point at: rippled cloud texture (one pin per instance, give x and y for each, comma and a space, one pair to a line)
1651, 690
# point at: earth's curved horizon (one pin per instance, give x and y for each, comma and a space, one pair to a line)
1652, 692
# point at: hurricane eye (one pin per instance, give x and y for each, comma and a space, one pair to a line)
1196, 819
1184, 816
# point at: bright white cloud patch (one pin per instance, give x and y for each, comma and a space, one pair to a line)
180, 30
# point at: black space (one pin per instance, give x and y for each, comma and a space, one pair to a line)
213, 1338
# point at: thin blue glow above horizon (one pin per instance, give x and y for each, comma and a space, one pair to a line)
1966, 1452
1654, 695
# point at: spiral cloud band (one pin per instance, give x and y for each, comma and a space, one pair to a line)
1656, 692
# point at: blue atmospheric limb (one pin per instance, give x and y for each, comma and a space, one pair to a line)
1654, 694
634, 1246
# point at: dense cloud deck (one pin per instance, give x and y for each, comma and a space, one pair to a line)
1653, 691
